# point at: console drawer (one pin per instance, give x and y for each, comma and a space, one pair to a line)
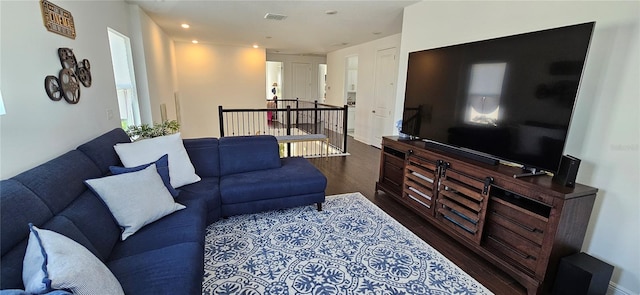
517, 220
504, 242
394, 160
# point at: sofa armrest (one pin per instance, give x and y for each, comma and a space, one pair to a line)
203, 153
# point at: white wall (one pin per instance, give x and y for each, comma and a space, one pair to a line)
155, 67
336, 63
604, 131
287, 72
212, 75
35, 128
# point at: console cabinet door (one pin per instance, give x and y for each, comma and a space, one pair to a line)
419, 184
462, 202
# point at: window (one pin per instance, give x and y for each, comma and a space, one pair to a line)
125, 78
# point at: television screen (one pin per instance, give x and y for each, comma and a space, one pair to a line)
510, 98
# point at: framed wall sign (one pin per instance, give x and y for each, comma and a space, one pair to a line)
58, 20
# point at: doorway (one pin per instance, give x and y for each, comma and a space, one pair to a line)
350, 91
322, 82
274, 80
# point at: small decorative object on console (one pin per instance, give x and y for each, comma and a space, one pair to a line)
399, 127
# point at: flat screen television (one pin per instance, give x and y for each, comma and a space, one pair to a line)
508, 98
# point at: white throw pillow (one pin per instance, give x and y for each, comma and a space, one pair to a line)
181, 171
53, 261
135, 199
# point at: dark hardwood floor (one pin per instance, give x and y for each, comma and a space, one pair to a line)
358, 172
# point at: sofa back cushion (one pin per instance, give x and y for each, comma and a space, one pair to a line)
100, 149
203, 153
18, 207
248, 153
53, 196
61, 180
94, 220
83, 221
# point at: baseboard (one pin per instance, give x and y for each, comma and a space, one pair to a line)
615, 289
360, 139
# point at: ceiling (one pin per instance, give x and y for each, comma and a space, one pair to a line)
307, 30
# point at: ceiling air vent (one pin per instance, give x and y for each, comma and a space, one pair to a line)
274, 16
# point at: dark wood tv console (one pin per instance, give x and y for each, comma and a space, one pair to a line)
523, 226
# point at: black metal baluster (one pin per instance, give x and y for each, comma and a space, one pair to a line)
344, 126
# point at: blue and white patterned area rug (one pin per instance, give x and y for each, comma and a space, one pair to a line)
351, 247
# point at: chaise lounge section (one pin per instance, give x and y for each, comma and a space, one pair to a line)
239, 175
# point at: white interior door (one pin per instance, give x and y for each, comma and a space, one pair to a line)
301, 88
384, 95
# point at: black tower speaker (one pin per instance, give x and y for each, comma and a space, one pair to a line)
582, 274
567, 171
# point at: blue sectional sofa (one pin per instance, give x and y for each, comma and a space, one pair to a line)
238, 175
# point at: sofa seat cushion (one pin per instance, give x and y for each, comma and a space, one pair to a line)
296, 177
175, 269
187, 225
272, 204
207, 190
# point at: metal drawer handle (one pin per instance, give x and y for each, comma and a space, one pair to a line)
531, 229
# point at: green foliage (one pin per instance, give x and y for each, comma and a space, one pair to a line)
159, 129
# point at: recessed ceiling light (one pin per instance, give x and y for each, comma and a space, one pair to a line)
255, 46
331, 12
194, 41
185, 26
268, 37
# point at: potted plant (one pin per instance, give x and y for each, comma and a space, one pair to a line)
158, 129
